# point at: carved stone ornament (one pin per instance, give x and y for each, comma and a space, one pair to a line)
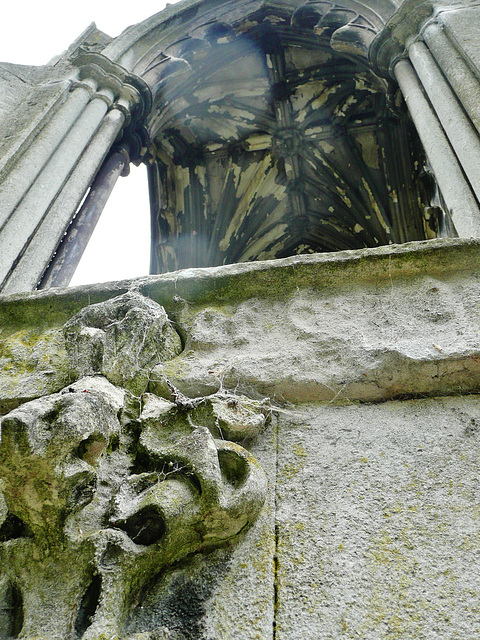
105, 487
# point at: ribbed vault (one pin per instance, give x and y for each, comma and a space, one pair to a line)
273, 136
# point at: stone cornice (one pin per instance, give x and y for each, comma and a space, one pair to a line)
254, 279
442, 270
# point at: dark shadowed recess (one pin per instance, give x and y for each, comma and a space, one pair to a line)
11, 612
88, 606
176, 600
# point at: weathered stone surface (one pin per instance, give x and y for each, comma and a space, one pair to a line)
122, 338
48, 449
310, 326
125, 509
400, 321
377, 520
52, 469
228, 593
242, 603
88, 485
370, 341
228, 415
33, 362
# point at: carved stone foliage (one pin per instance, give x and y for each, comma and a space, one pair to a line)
273, 136
104, 487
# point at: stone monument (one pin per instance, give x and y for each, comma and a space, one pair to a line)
276, 433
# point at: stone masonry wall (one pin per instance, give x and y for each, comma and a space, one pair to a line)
260, 451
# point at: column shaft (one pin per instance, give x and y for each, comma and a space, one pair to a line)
70, 251
23, 222
48, 234
458, 73
17, 182
455, 190
455, 122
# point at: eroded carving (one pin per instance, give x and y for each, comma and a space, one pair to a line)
121, 338
103, 489
104, 500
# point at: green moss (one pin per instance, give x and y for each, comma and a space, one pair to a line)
32, 364
289, 471
298, 450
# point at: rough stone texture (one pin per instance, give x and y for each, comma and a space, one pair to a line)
122, 338
370, 324
129, 507
228, 593
33, 362
49, 456
348, 337
369, 527
386, 545
86, 478
121, 488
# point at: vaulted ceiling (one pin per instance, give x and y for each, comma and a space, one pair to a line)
273, 136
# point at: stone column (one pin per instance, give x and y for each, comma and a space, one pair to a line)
43, 190
435, 62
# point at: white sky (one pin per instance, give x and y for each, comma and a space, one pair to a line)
33, 32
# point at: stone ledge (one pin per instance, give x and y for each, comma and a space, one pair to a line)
441, 256
364, 325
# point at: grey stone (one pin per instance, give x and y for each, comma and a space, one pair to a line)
377, 521
33, 363
128, 505
413, 307
368, 341
96, 505
122, 338
229, 416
